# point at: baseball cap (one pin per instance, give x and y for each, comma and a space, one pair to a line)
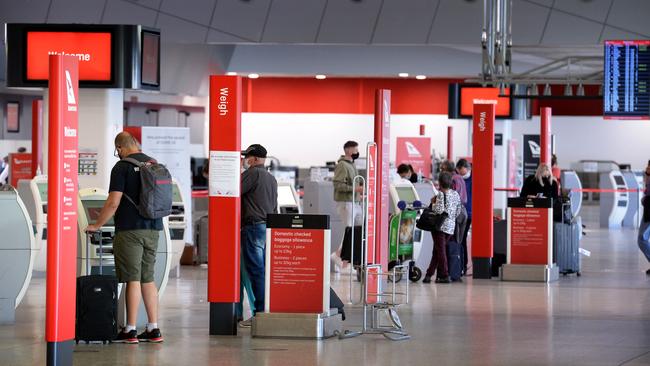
255, 150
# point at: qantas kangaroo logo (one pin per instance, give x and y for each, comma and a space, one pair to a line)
412, 150
68, 84
535, 149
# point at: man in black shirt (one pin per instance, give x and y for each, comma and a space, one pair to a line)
135, 242
259, 197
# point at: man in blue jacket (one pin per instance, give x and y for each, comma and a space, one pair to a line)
464, 169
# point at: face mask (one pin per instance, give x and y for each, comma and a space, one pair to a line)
246, 164
355, 156
467, 175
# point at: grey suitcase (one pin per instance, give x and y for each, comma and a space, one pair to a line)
566, 245
201, 241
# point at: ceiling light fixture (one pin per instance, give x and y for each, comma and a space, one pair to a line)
568, 90
533, 91
403, 74
421, 77
253, 76
580, 91
321, 77
547, 90
231, 73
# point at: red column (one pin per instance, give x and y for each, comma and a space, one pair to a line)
450, 143
422, 130
545, 136
483, 185
37, 136
224, 203
60, 300
382, 139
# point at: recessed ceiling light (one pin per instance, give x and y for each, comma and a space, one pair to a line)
403, 74
421, 77
231, 73
321, 77
253, 76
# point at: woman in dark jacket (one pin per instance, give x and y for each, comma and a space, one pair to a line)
542, 183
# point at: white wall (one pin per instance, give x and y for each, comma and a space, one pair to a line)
312, 139
579, 138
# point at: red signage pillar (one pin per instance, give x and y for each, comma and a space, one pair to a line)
483, 195
60, 304
37, 137
450, 143
545, 136
382, 139
224, 203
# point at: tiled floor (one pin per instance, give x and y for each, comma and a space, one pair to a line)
601, 318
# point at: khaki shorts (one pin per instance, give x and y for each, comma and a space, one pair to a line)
135, 255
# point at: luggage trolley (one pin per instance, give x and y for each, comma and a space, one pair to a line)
376, 301
402, 239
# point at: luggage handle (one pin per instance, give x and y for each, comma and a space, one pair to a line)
89, 235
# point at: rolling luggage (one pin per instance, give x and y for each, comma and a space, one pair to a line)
201, 241
566, 246
454, 260
96, 302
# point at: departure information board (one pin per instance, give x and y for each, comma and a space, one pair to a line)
626, 79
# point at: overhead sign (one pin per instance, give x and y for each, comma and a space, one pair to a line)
415, 151
92, 49
626, 78
471, 95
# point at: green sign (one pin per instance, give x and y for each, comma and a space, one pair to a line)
402, 228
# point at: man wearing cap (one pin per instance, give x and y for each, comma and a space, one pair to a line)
259, 197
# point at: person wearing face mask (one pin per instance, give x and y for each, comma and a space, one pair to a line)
404, 173
464, 169
344, 187
259, 197
541, 184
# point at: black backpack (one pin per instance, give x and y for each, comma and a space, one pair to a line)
155, 189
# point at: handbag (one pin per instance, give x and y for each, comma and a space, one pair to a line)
430, 221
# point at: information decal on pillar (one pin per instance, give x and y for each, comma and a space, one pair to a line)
62, 200
483, 195
371, 192
297, 264
382, 139
224, 202
415, 151
37, 137
224, 174
20, 167
530, 225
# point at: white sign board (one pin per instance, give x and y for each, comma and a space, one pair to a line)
224, 177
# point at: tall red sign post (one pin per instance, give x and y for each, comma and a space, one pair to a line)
482, 195
37, 136
545, 139
382, 139
62, 209
450, 142
224, 203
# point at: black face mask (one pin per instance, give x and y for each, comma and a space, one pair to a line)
355, 156
414, 178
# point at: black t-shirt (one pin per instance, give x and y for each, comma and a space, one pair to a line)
125, 178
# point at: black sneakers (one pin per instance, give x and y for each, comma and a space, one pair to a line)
127, 337
153, 336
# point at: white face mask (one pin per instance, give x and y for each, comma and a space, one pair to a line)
467, 175
246, 164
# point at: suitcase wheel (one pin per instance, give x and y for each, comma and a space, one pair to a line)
416, 274
578, 274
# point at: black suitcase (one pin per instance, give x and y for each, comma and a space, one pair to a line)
201, 241
96, 302
346, 252
454, 260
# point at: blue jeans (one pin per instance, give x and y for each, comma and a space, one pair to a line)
644, 239
254, 254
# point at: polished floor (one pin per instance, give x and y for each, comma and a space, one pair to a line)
600, 318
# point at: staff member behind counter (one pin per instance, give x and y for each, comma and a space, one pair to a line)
541, 184
259, 197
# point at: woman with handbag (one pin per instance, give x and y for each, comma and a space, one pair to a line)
445, 206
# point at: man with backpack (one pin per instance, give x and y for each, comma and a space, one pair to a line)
138, 197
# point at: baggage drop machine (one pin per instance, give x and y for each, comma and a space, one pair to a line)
91, 201
17, 253
288, 200
406, 192
634, 213
613, 204
177, 226
33, 193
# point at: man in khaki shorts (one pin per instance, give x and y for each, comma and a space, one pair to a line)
135, 242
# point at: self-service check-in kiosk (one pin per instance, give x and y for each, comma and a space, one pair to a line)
318, 199
288, 200
405, 191
425, 191
571, 181
33, 193
613, 205
17, 252
91, 201
634, 181
177, 226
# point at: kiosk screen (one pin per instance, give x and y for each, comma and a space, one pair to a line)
176, 194
406, 194
42, 191
619, 180
93, 208
285, 196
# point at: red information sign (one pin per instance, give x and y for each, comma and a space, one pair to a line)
20, 167
530, 239
382, 139
297, 261
482, 175
62, 199
415, 151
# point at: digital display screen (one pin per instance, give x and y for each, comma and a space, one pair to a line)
42, 191
468, 95
406, 194
285, 196
150, 58
13, 110
619, 180
176, 194
285, 176
93, 208
93, 49
626, 79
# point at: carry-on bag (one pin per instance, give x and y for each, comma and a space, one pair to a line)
96, 301
454, 260
566, 245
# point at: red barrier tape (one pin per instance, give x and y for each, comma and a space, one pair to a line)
584, 190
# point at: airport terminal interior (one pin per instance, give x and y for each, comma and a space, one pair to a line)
363, 182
